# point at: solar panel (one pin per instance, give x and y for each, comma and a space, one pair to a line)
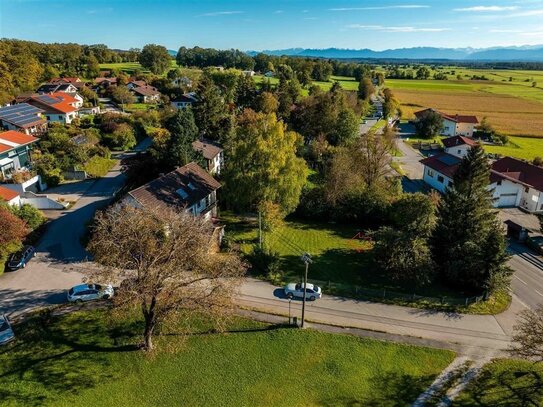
26, 120
448, 159
47, 99
20, 114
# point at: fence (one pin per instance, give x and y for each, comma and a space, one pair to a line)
384, 294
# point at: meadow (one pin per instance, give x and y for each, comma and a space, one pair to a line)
91, 358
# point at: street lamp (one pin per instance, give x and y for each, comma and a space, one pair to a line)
306, 258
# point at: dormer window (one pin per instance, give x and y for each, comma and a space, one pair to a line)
182, 193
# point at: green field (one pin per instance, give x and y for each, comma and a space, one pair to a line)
505, 383
91, 359
519, 147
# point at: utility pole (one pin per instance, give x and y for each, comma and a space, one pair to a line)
306, 258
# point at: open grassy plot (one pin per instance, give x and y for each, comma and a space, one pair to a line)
505, 382
509, 114
130, 67
519, 147
90, 359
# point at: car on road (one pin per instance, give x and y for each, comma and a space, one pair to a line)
18, 260
90, 292
6, 332
296, 290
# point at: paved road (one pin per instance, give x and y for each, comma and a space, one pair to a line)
527, 281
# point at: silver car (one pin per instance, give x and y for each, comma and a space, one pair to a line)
6, 332
89, 292
296, 290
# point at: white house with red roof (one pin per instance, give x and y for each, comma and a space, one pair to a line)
58, 107
454, 125
517, 183
15, 150
514, 183
11, 197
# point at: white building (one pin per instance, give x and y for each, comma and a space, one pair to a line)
183, 101
58, 107
453, 125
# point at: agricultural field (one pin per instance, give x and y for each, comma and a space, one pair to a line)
91, 358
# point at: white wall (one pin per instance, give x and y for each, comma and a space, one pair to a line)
458, 151
432, 178
506, 187
531, 200
449, 128
465, 129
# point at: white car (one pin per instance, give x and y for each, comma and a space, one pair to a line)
293, 290
89, 292
6, 332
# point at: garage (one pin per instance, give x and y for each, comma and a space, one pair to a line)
506, 200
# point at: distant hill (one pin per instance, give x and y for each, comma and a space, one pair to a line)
172, 52
525, 53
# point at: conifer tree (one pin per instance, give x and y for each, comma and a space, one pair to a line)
468, 243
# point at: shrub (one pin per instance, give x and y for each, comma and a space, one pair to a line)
98, 166
32, 216
122, 138
264, 261
52, 177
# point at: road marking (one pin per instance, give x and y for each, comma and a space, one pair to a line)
521, 280
538, 292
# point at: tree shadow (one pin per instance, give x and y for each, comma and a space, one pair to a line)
389, 389
513, 388
60, 355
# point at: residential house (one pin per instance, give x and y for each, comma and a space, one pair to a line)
458, 145
248, 73
58, 107
78, 83
514, 183
183, 81
212, 153
454, 125
103, 83
517, 184
269, 74
11, 197
189, 188
61, 87
15, 150
24, 118
135, 84
146, 94
185, 100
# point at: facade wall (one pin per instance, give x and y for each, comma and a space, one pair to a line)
532, 199
435, 179
449, 128
465, 129
505, 188
459, 151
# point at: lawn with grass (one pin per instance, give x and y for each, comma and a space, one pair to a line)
91, 359
507, 383
520, 147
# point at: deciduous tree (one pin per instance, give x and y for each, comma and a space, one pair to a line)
528, 335
429, 124
155, 58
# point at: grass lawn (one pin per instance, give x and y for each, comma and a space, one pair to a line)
90, 359
519, 147
505, 382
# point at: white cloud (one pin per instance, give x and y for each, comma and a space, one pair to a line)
528, 13
220, 13
405, 6
403, 29
487, 8
505, 30
532, 34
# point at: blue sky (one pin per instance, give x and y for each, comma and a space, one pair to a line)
257, 25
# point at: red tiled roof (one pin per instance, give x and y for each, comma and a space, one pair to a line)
443, 163
63, 102
4, 148
517, 170
209, 149
17, 137
146, 90
458, 141
452, 117
7, 194
67, 80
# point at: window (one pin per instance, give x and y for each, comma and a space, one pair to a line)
440, 179
526, 190
499, 182
48, 118
430, 173
459, 151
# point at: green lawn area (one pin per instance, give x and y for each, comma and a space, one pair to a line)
505, 383
139, 106
130, 67
519, 147
90, 359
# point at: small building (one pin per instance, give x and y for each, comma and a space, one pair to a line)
135, 84
183, 81
439, 170
453, 125
103, 83
458, 145
49, 88
15, 150
78, 83
146, 94
517, 184
269, 74
185, 100
58, 107
189, 188
11, 197
23, 118
248, 73
212, 153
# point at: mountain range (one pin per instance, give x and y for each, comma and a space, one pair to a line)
531, 53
